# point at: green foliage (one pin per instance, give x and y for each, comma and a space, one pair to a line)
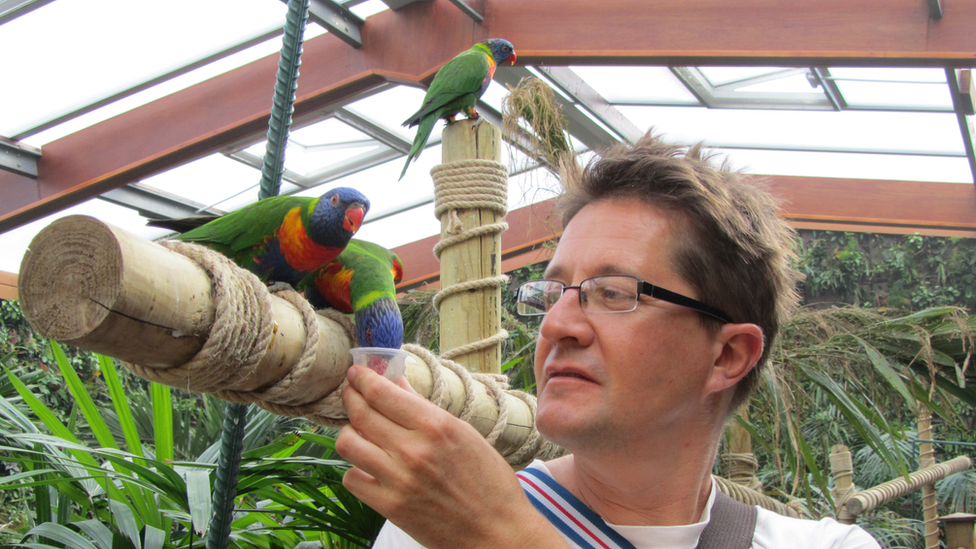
875, 270
119, 462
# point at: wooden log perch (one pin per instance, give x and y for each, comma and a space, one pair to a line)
865, 500
86, 283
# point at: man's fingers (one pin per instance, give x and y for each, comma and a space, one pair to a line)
385, 397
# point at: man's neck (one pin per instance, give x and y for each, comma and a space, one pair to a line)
667, 489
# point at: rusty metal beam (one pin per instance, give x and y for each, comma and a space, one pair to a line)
201, 119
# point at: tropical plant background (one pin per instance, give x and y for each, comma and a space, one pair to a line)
94, 457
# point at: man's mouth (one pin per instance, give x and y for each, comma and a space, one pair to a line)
568, 374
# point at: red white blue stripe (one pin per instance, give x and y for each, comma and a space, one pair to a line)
578, 524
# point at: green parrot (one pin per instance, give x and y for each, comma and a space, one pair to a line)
456, 88
362, 281
283, 238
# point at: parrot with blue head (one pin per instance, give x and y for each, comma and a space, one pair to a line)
283, 238
362, 281
456, 88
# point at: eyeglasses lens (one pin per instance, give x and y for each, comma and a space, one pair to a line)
606, 294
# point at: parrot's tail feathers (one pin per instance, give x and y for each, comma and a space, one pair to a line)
405, 166
419, 142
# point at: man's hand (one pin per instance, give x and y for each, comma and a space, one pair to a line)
430, 473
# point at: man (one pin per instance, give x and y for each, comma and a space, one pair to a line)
661, 302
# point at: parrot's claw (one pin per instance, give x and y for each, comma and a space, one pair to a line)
477, 122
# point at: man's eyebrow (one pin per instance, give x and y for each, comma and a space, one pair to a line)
553, 272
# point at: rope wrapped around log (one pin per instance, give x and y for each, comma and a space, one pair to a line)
470, 184
186, 316
866, 500
244, 327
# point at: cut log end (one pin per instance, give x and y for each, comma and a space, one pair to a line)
100, 288
68, 288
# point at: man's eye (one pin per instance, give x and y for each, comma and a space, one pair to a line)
611, 293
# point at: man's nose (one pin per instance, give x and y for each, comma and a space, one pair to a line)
565, 318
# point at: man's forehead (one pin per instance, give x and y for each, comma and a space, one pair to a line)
614, 236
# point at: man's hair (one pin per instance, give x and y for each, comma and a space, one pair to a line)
731, 247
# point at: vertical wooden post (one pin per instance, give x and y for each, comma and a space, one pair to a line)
959, 530
926, 458
842, 469
472, 315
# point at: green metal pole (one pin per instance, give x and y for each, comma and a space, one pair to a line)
235, 417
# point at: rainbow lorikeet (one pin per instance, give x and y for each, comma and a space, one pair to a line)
456, 88
362, 281
283, 238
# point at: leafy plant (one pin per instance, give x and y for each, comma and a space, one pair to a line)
118, 490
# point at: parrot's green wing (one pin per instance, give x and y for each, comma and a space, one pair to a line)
250, 225
373, 265
462, 76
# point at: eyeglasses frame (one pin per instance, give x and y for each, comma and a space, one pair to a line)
643, 287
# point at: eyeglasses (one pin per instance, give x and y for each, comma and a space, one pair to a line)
603, 294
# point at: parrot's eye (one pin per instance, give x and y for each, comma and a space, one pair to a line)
334, 199
369, 335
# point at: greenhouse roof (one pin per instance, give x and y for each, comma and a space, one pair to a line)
859, 115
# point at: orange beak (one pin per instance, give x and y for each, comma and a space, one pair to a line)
354, 217
511, 58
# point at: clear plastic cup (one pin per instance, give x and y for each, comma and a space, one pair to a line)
389, 363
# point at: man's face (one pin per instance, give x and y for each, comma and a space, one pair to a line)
606, 380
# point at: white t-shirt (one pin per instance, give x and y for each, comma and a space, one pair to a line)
773, 531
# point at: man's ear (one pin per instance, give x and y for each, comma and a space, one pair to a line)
739, 347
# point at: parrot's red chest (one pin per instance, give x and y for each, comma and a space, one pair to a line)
335, 285
300, 251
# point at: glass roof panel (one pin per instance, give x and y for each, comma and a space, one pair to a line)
637, 85
795, 82
721, 76
108, 53
14, 243
319, 146
370, 7
389, 108
898, 88
854, 166
493, 96
210, 180
864, 131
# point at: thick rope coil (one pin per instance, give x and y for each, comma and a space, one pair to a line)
534, 446
752, 497
473, 232
841, 466
460, 287
476, 346
242, 330
741, 469
470, 184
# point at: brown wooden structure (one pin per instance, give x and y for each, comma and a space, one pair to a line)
234, 107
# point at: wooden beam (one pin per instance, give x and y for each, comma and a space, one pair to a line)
8, 285
856, 205
745, 32
235, 106
904, 205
